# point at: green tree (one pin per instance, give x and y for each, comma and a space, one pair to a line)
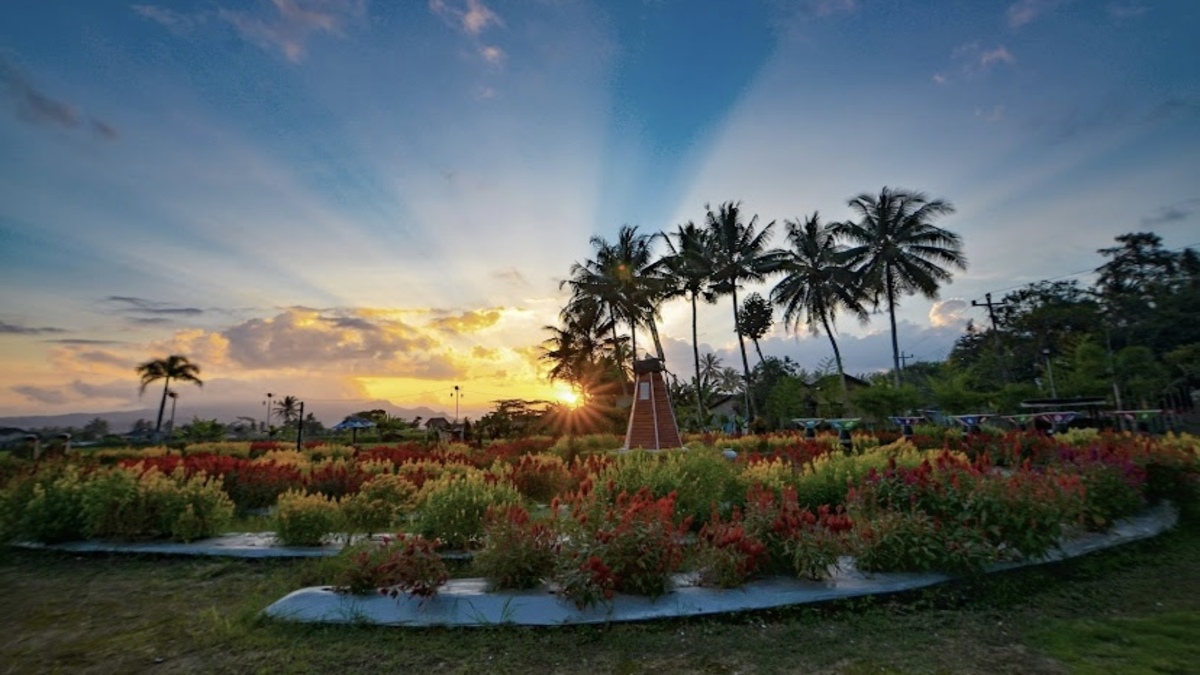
739, 255
755, 320
817, 282
203, 430
898, 251
96, 429
174, 367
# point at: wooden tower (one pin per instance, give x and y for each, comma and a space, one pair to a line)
651, 419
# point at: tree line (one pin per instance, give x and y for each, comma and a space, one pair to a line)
892, 249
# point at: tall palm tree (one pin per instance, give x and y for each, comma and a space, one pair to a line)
739, 254
287, 409
687, 267
898, 251
579, 350
174, 367
817, 282
621, 281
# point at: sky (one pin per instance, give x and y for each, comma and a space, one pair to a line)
347, 199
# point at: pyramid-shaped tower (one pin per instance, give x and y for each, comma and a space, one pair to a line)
652, 419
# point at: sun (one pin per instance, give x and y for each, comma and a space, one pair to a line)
568, 395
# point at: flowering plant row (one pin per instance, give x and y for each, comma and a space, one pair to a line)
601, 523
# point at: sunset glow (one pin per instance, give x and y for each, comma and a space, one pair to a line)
356, 200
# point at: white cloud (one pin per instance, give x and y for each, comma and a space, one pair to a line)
492, 54
997, 55
940, 79
475, 18
293, 23
1026, 11
1129, 9
948, 313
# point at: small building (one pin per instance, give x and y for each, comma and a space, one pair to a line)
437, 424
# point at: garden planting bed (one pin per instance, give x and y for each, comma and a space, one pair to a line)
567, 532
470, 602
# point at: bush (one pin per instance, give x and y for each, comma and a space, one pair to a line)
631, 546
539, 478
382, 501
518, 552
726, 555
797, 540
698, 479
453, 508
409, 565
48, 507
303, 519
121, 504
914, 541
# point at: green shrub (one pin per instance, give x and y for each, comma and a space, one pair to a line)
518, 552
914, 541
303, 519
631, 546
699, 480
726, 554
48, 507
453, 507
123, 504
379, 504
406, 565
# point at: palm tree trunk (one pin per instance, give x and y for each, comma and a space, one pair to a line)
758, 349
162, 406
617, 350
658, 349
696, 355
837, 357
745, 361
891, 300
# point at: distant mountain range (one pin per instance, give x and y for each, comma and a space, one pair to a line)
121, 421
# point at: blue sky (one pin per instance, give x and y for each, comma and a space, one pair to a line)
352, 199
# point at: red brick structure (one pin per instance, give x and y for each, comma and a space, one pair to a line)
652, 419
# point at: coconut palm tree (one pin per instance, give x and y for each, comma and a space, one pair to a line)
174, 367
817, 282
687, 267
621, 280
739, 254
287, 409
898, 251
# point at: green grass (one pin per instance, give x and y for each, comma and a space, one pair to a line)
1126, 610
1135, 645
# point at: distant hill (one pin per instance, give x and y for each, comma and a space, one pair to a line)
121, 421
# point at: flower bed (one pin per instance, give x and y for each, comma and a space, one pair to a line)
595, 525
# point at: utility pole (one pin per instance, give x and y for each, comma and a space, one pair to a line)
300, 429
991, 308
904, 361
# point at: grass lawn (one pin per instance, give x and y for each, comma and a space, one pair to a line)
1134, 609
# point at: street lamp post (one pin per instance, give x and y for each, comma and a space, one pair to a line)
267, 403
174, 397
1050, 372
457, 397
